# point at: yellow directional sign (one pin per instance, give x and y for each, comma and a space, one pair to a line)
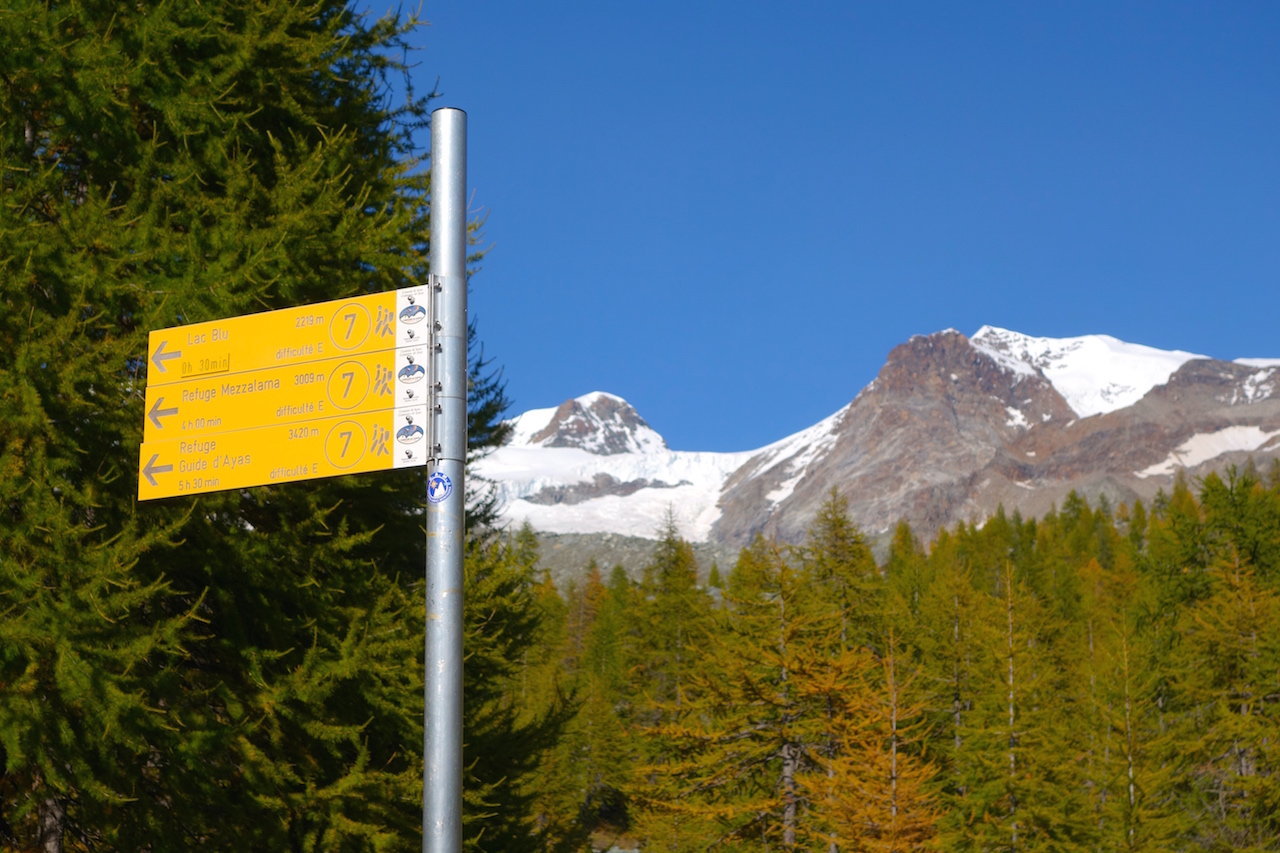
334, 388
290, 336
286, 395
324, 447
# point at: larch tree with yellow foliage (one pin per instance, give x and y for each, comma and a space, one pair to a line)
767, 698
874, 791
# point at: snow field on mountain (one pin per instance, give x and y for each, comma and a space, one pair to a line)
1202, 447
1093, 373
691, 484
798, 452
1257, 386
691, 481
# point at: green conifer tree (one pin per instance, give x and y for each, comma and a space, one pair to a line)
515, 710
1227, 662
240, 671
168, 165
1140, 809
607, 716
844, 574
907, 573
671, 624
957, 627
591, 767
1138, 525
739, 757
672, 618
714, 581
1029, 777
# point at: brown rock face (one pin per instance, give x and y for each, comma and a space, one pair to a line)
946, 434
606, 426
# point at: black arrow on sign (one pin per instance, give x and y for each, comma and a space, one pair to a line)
157, 413
159, 357
152, 468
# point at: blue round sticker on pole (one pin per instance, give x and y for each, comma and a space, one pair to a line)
439, 487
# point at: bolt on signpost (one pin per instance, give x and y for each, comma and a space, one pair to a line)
371, 383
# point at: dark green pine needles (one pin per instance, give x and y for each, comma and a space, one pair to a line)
241, 671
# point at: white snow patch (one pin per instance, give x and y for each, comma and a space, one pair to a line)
1202, 447
1259, 362
1093, 373
524, 427
1256, 386
641, 513
798, 452
1016, 418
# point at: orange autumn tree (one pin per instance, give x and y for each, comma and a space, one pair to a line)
770, 688
875, 787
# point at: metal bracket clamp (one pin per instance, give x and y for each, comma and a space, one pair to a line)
448, 389
435, 285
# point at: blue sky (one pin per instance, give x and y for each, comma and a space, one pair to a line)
729, 213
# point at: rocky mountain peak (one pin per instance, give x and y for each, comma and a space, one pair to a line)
598, 423
939, 410
948, 368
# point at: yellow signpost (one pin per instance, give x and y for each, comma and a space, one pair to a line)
334, 388
286, 395
378, 321
323, 447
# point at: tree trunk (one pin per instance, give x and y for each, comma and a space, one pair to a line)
789, 762
790, 751
52, 819
893, 746
1129, 739
1013, 739
955, 642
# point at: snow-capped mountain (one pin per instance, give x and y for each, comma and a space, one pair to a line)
593, 465
1093, 373
951, 428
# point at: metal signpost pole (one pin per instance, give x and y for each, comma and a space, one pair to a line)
442, 739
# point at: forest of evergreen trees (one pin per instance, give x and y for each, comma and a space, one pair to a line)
1104, 678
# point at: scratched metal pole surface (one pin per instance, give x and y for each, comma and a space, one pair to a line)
442, 732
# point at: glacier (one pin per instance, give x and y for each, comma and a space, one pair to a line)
1095, 374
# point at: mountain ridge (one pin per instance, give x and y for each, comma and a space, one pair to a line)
951, 428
